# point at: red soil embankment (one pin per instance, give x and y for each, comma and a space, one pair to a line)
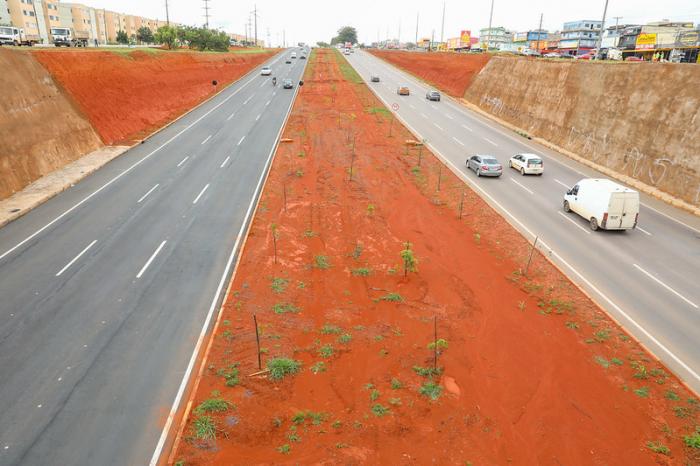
40, 127
128, 95
449, 72
532, 373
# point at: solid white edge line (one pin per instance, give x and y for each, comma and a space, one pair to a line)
201, 193
193, 359
223, 164
643, 230
134, 165
206, 140
182, 161
153, 256
241, 141
580, 276
76, 258
666, 286
149, 192
573, 222
526, 189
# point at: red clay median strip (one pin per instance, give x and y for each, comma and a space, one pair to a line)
394, 331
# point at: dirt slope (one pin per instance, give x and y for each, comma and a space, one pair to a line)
533, 372
40, 129
450, 72
128, 95
641, 120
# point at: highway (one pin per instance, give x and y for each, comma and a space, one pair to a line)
107, 289
647, 279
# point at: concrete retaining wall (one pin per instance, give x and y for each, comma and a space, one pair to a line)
640, 120
40, 129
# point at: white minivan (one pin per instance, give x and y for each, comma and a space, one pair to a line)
604, 203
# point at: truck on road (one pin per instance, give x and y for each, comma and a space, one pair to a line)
15, 36
604, 204
69, 37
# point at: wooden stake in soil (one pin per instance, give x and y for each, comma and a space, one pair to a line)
461, 205
436, 345
420, 152
532, 251
352, 159
439, 176
391, 126
257, 338
274, 239
285, 196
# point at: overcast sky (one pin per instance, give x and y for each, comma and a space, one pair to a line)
318, 20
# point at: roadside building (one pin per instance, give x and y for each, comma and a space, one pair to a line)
5, 19
494, 38
579, 37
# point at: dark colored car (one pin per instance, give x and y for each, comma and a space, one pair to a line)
303, 57
288, 61
374, 79
433, 95
287, 84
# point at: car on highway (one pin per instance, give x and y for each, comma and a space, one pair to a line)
293, 55
527, 164
604, 204
266, 71
287, 84
485, 165
374, 78
403, 90
288, 61
302, 57
433, 95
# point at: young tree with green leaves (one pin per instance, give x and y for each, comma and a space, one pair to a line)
167, 36
144, 35
122, 38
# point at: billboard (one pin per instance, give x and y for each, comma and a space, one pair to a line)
646, 41
465, 37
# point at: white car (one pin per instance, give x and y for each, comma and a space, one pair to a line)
527, 164
266, 71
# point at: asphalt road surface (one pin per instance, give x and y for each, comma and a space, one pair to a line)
647, 279
105, 289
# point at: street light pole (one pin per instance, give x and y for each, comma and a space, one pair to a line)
602, 28
442, 30
488, 34
417, 18
539, 32
167, 14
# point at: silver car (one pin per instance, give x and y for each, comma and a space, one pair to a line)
485, 165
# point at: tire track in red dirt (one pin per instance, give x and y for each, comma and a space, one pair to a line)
534, 373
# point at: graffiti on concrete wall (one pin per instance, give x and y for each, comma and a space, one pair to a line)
663, 172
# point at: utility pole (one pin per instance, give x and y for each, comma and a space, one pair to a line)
442, 30
539, 32
602, 28
399, 32
617, 29
284, 39
255, 19
206, 13
167, 14
432, 39
488, 34
269, 43
417, 18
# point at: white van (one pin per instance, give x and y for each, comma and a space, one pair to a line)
604, 203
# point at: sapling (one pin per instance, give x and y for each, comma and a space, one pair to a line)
409, 259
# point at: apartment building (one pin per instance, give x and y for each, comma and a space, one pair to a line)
37, 17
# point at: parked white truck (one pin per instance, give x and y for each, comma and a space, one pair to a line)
68, 37
604, 203
15, 36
